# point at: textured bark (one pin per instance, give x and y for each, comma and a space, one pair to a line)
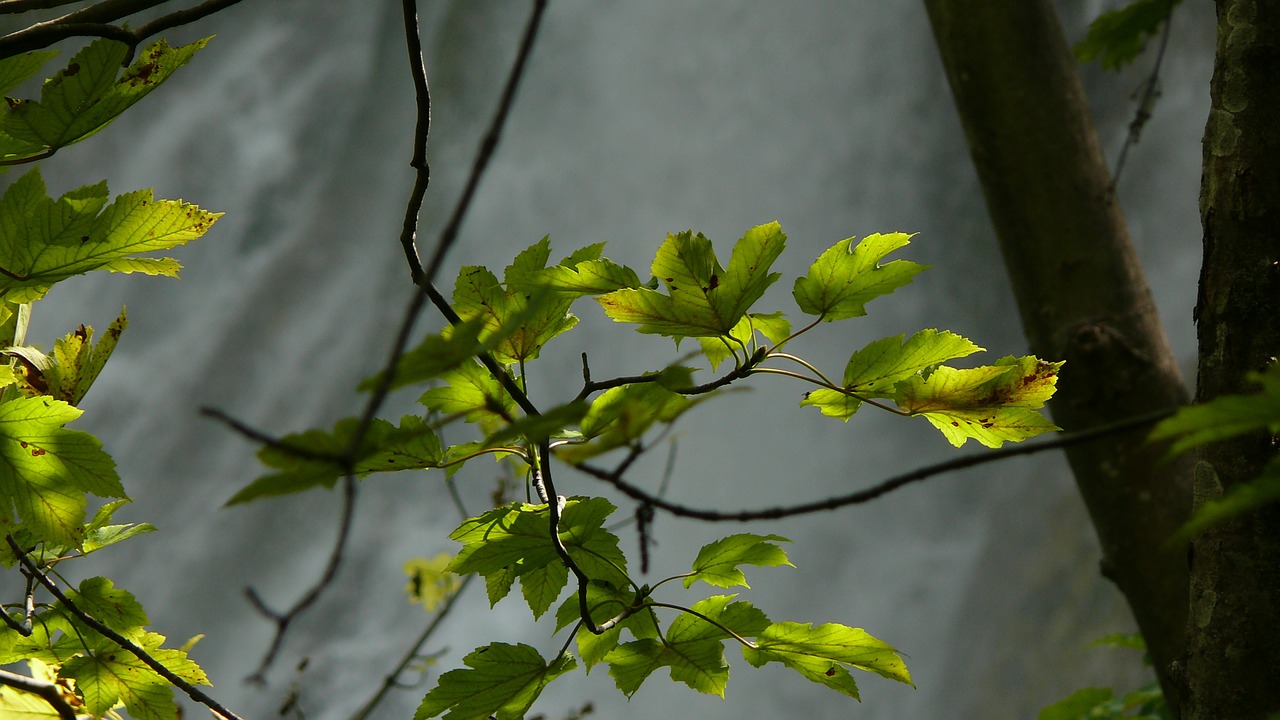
1233, 661
1079, 288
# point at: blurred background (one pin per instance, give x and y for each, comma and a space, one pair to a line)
635, 120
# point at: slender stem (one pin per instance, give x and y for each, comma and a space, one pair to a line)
827, 385
191, 691
882, 488
697, 614
47, 691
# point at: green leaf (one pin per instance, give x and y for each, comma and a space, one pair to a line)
832, 403
502, 680
111, 674
1117, 38
13, 70
605, 600
1226, 416
516, 539
430, 583
703, 299
819, 654
621, 415
527, 321
990, 404
876, 368
45, 469
74, 365
717, 563
44, 241
582, 273
85, 96
693, 648
846, 277
99, 533
471, 391
312, 458
115, 607
536, 428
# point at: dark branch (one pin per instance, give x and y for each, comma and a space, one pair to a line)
13, 7
95, 21
191, 691
614, 477
47, 691
1147, 94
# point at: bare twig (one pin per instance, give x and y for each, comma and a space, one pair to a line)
12, 7
1147, 94
95, 21
614, 477
414, 652
283, 620
47, 691
190, 690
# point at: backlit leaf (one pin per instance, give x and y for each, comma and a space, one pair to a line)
111, 674
470, 390
1226, 416
430, 584
76, 361
45, 469
621, 415
500, 680
818, 653
43, 241
703, 299
990, 404
773, 326
846, 277
86, 95
717, 563
13, 70
877, 367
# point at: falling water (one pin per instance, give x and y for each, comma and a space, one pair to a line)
635, 119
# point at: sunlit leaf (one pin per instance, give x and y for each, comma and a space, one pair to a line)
818, 653
501, 680
773, 326
111, 674
846, 277
622, 415
13, 70
703, 299
86, 95
75, 363
430, 584
45, 469
1226, 416
43, 241
470, 390
114, 607
990, 404
718, 562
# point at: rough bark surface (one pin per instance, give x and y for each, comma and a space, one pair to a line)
1079, 288
1233, 660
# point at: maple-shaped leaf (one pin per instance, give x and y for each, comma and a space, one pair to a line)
605, 600
501, 680
876, 369
75, 363
703, 299
584, 272
990, 404
773, 326
46, 469
526, 320
692, 648
1118, 37
85, 96
718, 562
114, 607
846, 277
111, 674
43, 241
471, 391
311, 459
516, 539
15, 69
820, 653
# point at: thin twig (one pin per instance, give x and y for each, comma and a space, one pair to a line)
95, 21
614, 477
190, 690
415, 650
47, 691
13, 7
1149, 92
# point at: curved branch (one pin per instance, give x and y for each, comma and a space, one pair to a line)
190, 690
47, 691
95, 21
865, 495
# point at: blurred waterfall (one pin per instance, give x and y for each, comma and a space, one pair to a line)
635, 119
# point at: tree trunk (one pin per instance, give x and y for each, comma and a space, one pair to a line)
1233, 651
1079, 288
